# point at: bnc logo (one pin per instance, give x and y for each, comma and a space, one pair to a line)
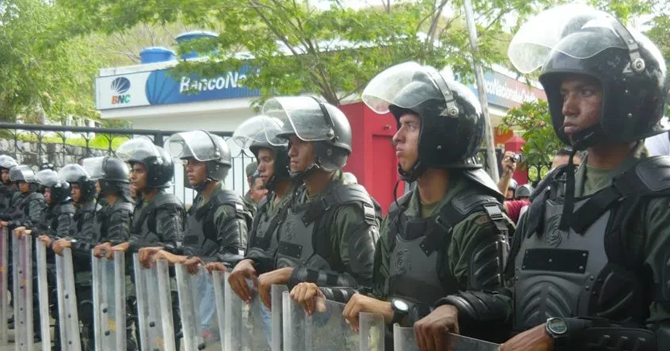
120, 87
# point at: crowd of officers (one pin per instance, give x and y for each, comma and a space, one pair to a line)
587, 267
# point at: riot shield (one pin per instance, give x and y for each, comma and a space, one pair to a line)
43, 293
327, 330
198, 308
404, 340
23, 292
109, 296
68, 318
156, 328
4, 282
252, 326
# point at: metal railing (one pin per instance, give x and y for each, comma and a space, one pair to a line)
36, 145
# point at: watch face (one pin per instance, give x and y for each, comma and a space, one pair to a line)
557, 326
401, 305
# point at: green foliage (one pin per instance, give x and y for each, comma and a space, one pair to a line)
331, 50
534, 120
39, 79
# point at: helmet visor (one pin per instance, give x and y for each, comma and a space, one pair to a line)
7, 162
302, 115
258, 129
22, 173
575, 30
137, 149
195, 144
94, 166
46, 177
72, 173
405, 85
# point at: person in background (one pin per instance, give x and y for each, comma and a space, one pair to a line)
257, 190
248, 201
507, 185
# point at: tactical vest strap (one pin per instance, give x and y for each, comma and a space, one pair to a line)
646, 178
123, 206
225, 197
67, 209
342, 195
162, 200
263, 242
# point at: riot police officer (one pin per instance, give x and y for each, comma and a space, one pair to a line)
217, 222
113, 220
158, 216
57, 216
7, 188
330, 228
259, 134
81, 240
589, 264
26, 207
448, 233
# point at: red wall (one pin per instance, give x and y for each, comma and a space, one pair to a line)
373, 159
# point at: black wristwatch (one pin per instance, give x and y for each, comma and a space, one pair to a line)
558, 330
400, 310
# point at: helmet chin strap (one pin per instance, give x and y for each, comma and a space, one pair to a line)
201, 187
301, 176
414, 172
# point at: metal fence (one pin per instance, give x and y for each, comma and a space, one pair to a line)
61, 145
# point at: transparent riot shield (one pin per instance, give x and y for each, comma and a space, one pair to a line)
404, 340
4, 282
68, 318
43, 293
156, 328
109, 296
252, 326
23, 292
327, 330
197, 304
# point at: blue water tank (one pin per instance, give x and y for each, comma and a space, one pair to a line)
157, 54
183, 37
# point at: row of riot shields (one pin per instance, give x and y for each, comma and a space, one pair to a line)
212, 316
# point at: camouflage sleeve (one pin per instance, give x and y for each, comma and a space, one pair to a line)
353, 244
231, 230
381, 262
476, 243
118, 227
169, 226
654, 243
85, 238
64, 225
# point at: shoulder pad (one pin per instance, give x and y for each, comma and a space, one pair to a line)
165, 199
546, 181
402, 201
231, 198
123, 206
653, 175
484, 182
351, 193
66, 209
35, 196
468, 202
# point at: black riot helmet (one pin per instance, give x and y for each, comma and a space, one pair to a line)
111, 173
524, 191
205, 147
159, 165
60, 190
585, 41
452, 123
313, 120
260, 132
75, 174
23, 173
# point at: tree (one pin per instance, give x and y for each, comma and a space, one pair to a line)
534, 120
42, 81
301, 48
